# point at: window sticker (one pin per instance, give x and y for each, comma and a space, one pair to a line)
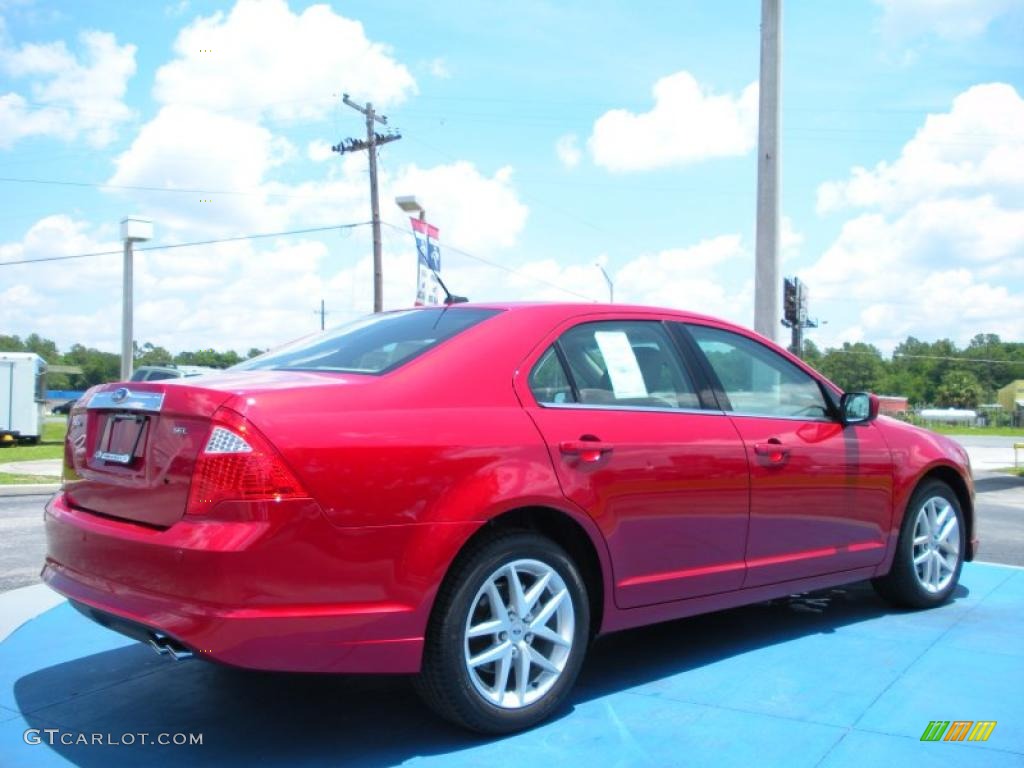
623, 369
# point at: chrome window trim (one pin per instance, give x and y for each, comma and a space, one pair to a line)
747, 415
643, 408
701, 411
132, 401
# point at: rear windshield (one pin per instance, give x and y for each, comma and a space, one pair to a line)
374, 344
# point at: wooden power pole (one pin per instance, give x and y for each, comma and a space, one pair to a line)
372, 141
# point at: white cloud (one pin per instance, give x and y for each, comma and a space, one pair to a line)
977, 146
69, 96
189, 148
474, 211
264, 60
177, 8
255, 293
693, 278
687, 124
947, 19
938, 247
439, 68
319, 150
790, 240
568, 150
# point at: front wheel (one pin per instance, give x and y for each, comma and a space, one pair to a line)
508, 636
930, 550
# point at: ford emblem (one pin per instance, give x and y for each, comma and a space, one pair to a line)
120, 395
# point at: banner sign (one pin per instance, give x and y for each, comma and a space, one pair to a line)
428, 262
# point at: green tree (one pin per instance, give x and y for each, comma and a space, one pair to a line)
958, 389
45, 348
854, 367
148, 354
97, 367
208, 357
11, 344
811, 354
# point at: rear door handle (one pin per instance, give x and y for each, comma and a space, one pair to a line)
772, 450
586, 450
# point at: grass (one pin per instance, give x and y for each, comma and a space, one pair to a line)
959, 429
51, 446
7, 478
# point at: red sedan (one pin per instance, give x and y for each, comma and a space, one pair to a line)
473, 493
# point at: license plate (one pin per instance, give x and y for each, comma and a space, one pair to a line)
121, 437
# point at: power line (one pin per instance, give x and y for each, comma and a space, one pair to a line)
256, 236
900, 355
142, 188
960, 359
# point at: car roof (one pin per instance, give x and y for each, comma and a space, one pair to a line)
569, 309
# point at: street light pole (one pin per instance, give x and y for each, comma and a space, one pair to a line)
132, 231
611, 285
766, 267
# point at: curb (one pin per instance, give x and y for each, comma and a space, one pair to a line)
29, 489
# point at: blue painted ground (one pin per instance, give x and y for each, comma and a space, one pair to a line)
831, 679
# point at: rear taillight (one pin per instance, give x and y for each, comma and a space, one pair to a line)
238, 464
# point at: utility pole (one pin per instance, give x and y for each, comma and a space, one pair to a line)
322, 312
373, 140
133, 230
766, 269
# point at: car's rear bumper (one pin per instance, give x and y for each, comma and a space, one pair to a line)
289, 592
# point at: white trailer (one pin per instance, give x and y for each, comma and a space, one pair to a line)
22, 396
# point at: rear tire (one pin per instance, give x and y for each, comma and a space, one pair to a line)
500, 657
929, 552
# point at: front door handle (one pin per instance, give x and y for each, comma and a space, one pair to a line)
587, 450
773, 450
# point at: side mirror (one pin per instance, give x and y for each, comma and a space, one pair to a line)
858, 408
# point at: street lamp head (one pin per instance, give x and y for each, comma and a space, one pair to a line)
136, 230
410, 204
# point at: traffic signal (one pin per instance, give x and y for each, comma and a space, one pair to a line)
791, 301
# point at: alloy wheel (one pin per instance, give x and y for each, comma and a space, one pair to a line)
936, 549
519, 633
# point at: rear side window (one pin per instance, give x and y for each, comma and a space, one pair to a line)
374, 344
548, 381
615, 363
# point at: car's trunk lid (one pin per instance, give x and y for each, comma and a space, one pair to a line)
132, 447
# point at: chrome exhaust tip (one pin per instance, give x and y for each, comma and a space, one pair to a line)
168, 646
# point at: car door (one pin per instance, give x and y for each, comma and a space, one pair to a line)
633, 444
820, 492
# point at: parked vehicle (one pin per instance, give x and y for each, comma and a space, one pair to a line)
64, 408
169, 371
22, 397
472, 493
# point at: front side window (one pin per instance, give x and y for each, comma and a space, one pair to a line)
616, 363
757, 380
374, 344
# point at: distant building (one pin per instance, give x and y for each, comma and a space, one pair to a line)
893, 405
1011, 398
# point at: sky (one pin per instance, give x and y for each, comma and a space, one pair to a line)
542, 138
